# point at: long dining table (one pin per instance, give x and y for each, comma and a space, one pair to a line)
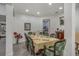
39, 41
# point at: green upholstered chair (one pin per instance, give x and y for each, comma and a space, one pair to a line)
45, 34
31, 46
56, 50
48, 52
30, 33
52, 35
26, 41
41, 33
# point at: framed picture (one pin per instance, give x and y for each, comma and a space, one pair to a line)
61, 20
46, 23
27, 26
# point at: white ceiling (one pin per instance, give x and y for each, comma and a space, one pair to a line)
43, 8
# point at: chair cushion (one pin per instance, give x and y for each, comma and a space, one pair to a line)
49, 53
51, 48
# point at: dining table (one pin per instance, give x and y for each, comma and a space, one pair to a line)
40, 41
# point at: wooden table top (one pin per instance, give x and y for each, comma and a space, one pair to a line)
42, 39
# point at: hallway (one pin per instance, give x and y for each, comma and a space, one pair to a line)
2, 47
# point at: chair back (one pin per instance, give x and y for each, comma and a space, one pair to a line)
26, 37
47, 51
30, 33
30, 41
41, 33
46, 34
52, 35
31, 46
59, 48
26, 41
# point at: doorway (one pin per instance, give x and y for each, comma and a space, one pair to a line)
2, 35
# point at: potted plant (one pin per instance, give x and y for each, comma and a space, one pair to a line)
17, 37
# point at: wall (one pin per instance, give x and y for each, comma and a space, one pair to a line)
2, 9
19, 20
77, 19
9, 29
54, 22
69, 29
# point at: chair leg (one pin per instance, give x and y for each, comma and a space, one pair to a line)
78, 52
27, 48
40, 53
32, 53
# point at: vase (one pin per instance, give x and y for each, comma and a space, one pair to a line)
17, 41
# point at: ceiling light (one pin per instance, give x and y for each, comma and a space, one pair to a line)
50, 3
38, 13
27, 10
60, 8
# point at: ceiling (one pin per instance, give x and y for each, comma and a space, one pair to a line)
44, 8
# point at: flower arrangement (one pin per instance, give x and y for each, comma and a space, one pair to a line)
17, 36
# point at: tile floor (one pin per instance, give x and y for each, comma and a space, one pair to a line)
20, 50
